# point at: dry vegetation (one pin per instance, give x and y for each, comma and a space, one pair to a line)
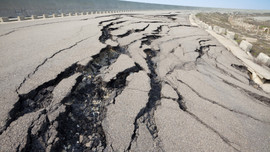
245, 26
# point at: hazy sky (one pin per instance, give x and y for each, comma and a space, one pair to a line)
242, 4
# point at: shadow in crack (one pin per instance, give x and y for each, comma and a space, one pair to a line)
38, 98
80, 127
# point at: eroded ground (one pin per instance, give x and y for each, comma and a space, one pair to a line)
125, 82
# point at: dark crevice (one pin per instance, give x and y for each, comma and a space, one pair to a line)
147, 40
179, 100
79, 127
203, 48
120, 22
254, 84
28, 142
104, 58
170, 16
86, 108
37, 141
182, 66
148, 22
112, 147
86, 104
158, 30
227, 73
240, 68
120, 81
170, 98
106, 31
132, 31
256, 96
172, 51
37, 68
146, 114
7, 33
143, 29
106, 34
245, 70
117, 14
182, 25
125, 34
110, 20
38, 98
225, 140
22, 27
218, 104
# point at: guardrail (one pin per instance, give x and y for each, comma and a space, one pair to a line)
258, 73
46, 16
246, 46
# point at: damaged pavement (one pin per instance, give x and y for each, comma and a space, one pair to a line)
126, 82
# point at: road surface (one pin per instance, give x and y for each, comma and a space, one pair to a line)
147, 81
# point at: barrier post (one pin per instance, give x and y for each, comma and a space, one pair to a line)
33, 17
3, 19
20, 18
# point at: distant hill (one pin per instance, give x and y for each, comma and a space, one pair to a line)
13, 8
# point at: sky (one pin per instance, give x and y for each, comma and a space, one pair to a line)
240, 4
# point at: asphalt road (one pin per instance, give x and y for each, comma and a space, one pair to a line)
146, 81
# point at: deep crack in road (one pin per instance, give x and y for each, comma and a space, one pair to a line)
127, 82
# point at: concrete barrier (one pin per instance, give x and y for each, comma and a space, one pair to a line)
33, 17
263, 59
45, 16
4, 19
230, 35
219, 30
216, 29
222, 30
20, 18
257, 79
245, 45
205, 26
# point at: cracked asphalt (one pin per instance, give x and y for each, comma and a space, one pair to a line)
146, 81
